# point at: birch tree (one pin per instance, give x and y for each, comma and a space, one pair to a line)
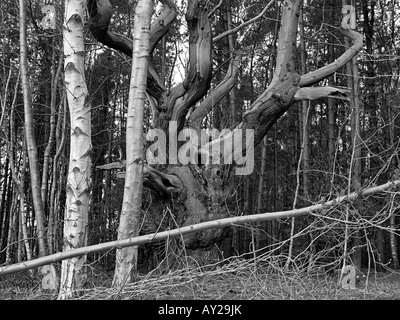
73, 271
126, 258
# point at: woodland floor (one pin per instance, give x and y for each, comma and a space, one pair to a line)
234, 281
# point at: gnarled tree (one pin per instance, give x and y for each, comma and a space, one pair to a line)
200, 190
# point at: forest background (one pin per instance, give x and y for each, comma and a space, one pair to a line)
318, 150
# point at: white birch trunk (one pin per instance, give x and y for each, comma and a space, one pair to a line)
126, 258
73, 272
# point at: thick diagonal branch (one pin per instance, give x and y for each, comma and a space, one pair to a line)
273, 102
288, 87
320, 74
101, 11
198, 77
217, 94
314, 93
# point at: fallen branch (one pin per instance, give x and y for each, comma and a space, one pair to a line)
221, 223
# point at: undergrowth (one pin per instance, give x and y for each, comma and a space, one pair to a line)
236, 279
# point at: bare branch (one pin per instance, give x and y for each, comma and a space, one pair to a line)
162, 24
314, 93
215, 8
216, 94
320, 74
158, 181
226, 33
198, 78
101, 11
221, 223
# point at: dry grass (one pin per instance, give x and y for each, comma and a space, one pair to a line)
237, 280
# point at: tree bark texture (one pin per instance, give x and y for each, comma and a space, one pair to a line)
73, 272
126, 258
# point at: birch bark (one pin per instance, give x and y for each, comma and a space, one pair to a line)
73, 271
126, 258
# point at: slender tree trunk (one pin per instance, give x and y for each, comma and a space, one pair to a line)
304, 134
261, 185
232, 95
11, 229
11, 138
393, 212
356, 183
274, 225
20, 252
7, 212
331, 109
304, 138
355, 167
273, 230
393, 241
4, 191
30, 134
73, 271
22, 207
304, 158
52, 226
126, 258
52, 131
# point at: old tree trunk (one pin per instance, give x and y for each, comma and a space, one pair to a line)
200, 191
